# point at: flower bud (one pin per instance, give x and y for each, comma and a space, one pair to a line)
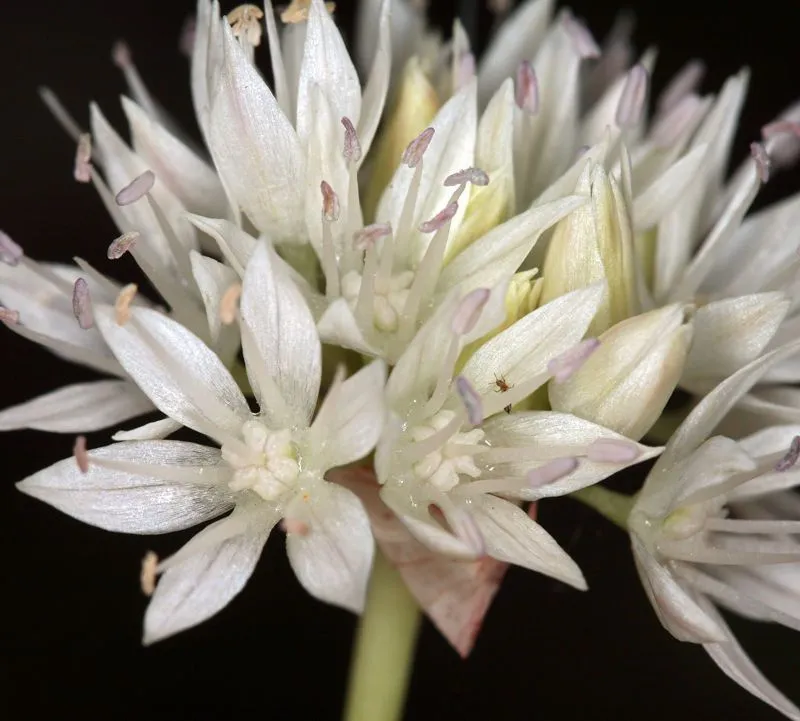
628, 380
593, 243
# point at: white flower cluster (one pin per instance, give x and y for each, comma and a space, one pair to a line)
381, 240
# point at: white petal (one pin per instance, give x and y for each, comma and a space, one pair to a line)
553, 435
338, 326
176, 370
255, 148
350, 419
675, 608
282, 92
334, 558
79, 408
154, 431
131, 503
235, 244
500, 252
377, 87
213, 280
188, 176
511, 535
736, 664
517, 39
326, 63
203, 584
730, 333
282, 348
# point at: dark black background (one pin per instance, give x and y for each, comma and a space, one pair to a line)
72, 607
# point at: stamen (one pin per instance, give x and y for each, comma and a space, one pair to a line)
368, 236
83, 159
293, 525
147, 576
228, 303
675, 121
469, 311
564, 366
471, 400
612, 450
60, 113
785, 463
465, 70
763, 161
631, 102
352, 146
245, 23
187, 36
551, 472
81, 456
82, 304
330, 202
10, 252
440, 219
527, 95
122, 306
476, 176
780, 127
297, 11
9, 316
417, 147
122, 245
583, 40
684, 83
136, 189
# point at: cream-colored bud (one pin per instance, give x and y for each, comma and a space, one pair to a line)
627, 381
593, 243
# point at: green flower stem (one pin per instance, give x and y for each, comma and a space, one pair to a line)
384, 648
616, 507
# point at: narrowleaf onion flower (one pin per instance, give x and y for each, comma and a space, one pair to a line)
714, 524
269, 466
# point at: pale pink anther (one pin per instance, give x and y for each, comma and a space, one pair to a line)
140, 186
83, 159
476, 176
683, 84
551, 472
634, 94
674, 122
229, 303
330, 202
469, 311
417, 147
371, 234
296, 526
612, 450
785, 463
81, 456
527, 91
10, 252
121, 54
82, 304
9, 316
471, 400
780, 127
564, 366
187, 36
122, 305
440, 219
352, 145
583, 40
147, 576
763, 161
122, 245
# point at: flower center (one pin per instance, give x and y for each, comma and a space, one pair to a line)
442, 467
389, 298
266, 462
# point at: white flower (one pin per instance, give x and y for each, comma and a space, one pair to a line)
449, 444
270, 465
691, 553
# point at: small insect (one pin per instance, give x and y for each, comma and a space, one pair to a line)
502, 387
